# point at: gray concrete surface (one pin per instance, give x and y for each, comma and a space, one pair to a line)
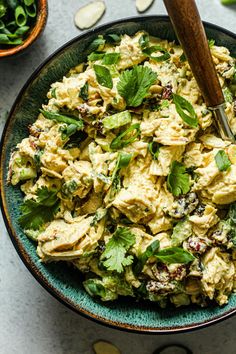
31, 320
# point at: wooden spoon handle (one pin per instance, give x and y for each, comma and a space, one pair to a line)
188, 26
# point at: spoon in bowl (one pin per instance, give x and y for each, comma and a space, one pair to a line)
189, 29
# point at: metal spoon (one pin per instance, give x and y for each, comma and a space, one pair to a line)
189, 29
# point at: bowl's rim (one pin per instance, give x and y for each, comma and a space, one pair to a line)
25, 257
35, 32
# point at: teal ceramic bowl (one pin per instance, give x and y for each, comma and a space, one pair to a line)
61, 281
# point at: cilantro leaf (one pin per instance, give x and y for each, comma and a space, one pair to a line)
135, 83
178, 180
103, 76
116, 249
222, 161
111, 58
174, 255
36, 212
182, 105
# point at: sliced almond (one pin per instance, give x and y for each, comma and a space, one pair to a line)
103, 347
143, 5
89, 14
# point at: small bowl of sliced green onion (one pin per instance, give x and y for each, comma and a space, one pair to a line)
21, 23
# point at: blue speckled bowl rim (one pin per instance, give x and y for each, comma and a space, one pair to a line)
16, 242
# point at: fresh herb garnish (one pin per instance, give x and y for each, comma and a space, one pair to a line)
120, 141
182, 105
211, 43
149, 252
114, 257
36, 212
150, 50
53, 92
228, 96
181, 231
96, 56
103, 76
95, 287
67, 130
222, 161
182, 58
122, 161
178, 181
144, 41
154, 149
110, 58
112, 38
135, 83
96, 43
117, 120
84, 92
62, 118
172, 255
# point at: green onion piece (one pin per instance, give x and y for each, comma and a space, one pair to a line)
211, 43
5, 40
11, 25
61, 118
120, 141
144, 41
68, 130
228, 96
222, 161
12, 4
3, 9
21, 31
153, 49
53, 92
154, 149
1, 24
28, 2
20, 16
84, 92
228, 2
117, 120
112, 38
31, 10
96, 43
111, 58
182, 105
96, 56
103, 76
182, 58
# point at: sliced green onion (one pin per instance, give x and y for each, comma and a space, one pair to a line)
120, 141
61, 118
28, 2
31, 10
5, 40
21, 31
144, 41
112, 38
20, 16
84, 92
182, 105
154, 149
117, 120
12, 4
165, 55
1, 24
